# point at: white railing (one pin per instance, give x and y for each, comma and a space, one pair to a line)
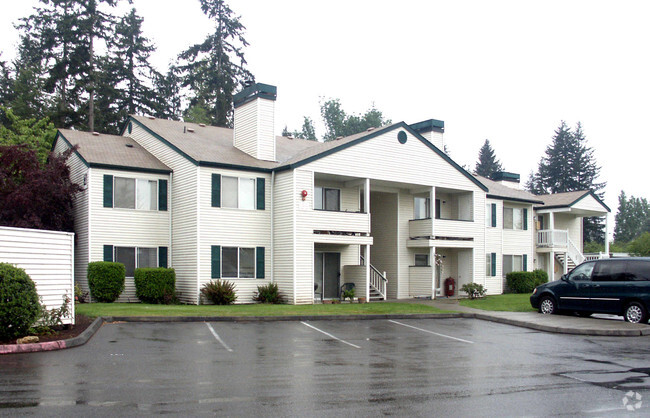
378, 280
552, 238
574, 252
595, 256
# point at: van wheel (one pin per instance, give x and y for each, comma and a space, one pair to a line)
547, 305
635, 313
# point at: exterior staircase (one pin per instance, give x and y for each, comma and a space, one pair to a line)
570, 263
378, 282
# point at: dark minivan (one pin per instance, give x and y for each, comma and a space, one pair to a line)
619, 286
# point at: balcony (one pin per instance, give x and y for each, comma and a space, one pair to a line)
552, 238
340, 227
419, 228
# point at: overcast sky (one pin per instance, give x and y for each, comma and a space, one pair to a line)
508, 71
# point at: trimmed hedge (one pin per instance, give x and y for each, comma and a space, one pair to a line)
525, 281
155, 285
106, 280
19, 302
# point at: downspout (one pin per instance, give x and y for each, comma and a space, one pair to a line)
170, 208
272, 226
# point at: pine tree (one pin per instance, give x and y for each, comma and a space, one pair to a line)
631, 219
215, 68
167, 97
487, 164
569, 165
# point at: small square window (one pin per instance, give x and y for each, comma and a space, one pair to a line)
421, 259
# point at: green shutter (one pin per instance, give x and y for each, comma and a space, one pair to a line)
260, 263
260, 193
525, 262
108, 191
494, 264
108, 253
216, 190
216, 261
494, 215
162, 194
162, 257
525, 221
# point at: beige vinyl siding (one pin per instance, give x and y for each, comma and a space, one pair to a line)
494, 244
304, 248
124, 227
231, 227
420, 281
571, 223
589, 203
48, 259
254, 129
349, 195
283, 239
405, 255
79, 172
383, 252
184, 211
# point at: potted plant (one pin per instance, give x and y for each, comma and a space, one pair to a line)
348, 294
361, 299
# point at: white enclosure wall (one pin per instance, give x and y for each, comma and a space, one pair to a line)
47, 257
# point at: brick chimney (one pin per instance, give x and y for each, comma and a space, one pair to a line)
254, 121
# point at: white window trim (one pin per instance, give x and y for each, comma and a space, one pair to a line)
323, 188
239, 262
135, 197
239, 194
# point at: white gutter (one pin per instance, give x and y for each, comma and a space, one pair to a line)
272, 226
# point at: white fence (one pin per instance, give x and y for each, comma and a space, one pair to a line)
48, 258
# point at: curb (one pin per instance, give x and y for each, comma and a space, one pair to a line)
54, 345
278, 318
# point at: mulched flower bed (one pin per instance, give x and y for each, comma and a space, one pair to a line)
63, 332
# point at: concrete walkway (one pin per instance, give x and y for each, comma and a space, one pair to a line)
607, 325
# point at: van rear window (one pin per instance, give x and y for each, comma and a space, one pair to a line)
610, 271
638, 270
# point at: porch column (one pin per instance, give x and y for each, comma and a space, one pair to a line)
367, 287
432, 262
551, 225
432, 211
606, 236
566, 262
551, 264
366, 201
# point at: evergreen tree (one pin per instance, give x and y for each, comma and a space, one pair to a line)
167, 97
569, 165
215, 68
6, 82
487, 164
338, 123
632, 218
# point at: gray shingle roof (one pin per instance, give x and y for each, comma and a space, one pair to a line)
112, 150
562, 199
505, 192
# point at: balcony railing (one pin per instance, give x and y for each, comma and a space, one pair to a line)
323, 220
552, 238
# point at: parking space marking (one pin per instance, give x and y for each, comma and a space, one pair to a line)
330, 335
218, 338
431, 332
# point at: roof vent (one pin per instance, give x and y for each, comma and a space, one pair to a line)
290, 136
370, 129
339, 137
95, 133
152, 117
129, 145
202, 125
190, 130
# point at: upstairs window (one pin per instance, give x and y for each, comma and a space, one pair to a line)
237, 192
138, 194
327, 199
421, 208
515, 218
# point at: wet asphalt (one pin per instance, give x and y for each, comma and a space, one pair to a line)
407, 367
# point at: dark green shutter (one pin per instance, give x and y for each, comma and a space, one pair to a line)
216, 190
494, 215
494, 264
216, 261
260, 263
525, 263
525, 221
162, 194
162, 257
260, 193
108, 191
108, 253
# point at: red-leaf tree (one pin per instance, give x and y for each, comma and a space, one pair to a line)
33, 194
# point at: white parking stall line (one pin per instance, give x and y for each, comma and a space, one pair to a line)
218, 338
329, 335
431, 332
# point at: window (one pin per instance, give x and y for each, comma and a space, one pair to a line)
327, 199
512, 263
238, 262
610, 271
422, 260
638, 270
582, 272
490, 264
138, 194
422, 208
513, 218
491, 215
238, 192
133, 257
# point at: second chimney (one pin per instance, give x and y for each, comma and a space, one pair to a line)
254, 121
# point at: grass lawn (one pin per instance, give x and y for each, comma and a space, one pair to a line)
509, 302
141, 309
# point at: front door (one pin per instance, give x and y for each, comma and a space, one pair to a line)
327, 274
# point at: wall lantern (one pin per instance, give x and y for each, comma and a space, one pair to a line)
303, 194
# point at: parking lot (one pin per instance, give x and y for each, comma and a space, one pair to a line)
442, 367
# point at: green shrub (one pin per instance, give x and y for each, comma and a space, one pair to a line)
51, 318
155, 285
106, 280
19, 302
525, 281
473, 290
348, 294
268, 293
219, 292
